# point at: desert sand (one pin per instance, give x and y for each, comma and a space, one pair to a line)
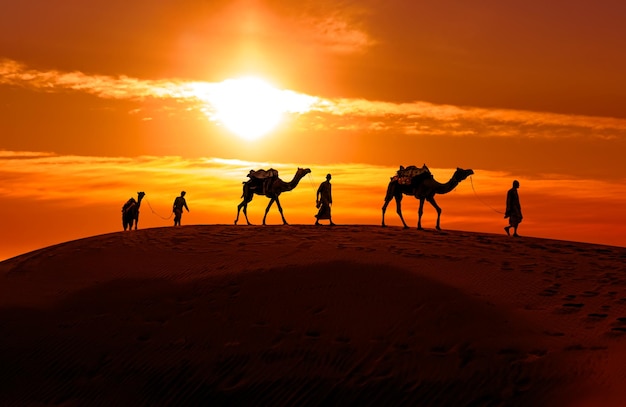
301, 315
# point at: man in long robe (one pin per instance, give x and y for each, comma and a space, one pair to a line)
324, 201
513, 209
177, 208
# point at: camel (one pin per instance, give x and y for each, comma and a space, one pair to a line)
130, 211
424, 187
272, 190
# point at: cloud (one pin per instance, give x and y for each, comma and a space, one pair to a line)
338, 35
415, 118
329, 28
424, 114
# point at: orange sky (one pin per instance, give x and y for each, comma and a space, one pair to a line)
100, 100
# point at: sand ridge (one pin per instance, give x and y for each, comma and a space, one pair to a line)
304, 315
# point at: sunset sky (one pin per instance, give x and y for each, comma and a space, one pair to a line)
102, 99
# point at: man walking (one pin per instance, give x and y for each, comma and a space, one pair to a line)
513, 210
179, 204
324, 201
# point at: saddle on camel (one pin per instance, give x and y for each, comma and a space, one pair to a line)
405, 175
129, 204
261, 179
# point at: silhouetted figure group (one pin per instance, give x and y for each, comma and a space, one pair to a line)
411, 180
130, 210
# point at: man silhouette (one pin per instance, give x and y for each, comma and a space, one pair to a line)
177, 208
324, 201
513, 209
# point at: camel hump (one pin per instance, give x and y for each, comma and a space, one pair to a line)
404, 175
129, 204
262, 174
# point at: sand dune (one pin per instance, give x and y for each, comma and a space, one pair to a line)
304, 315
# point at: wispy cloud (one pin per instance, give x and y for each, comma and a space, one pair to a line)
336, 28
415, 118
338, 35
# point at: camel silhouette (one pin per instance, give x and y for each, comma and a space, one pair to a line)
423, 187
272, 189
130, 211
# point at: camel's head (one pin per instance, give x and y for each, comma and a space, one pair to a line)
303, 171
140, 195
460, 174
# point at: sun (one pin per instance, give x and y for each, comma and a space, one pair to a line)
250, 107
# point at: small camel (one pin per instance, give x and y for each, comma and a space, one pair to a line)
424, 187
272, 191
130, 211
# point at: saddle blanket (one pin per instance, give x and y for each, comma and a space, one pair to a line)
261, 174
404, 175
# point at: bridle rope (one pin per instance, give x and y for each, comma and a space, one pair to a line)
153, 211
481, 201
311, 181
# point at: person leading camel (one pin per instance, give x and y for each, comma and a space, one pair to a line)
179, 204
324, 201
513, 209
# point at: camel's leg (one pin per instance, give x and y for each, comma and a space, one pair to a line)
280, 209
245, 213
399, 210
438, 209
241, 205
244, 205
384, 209
136, 223
268, 209
420, 212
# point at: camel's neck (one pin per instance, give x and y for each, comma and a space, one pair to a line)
139, 198
294, 182
447, 187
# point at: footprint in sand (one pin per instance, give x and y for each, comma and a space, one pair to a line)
442, 350
506, 266
618, 327
569, 297
313, 334
574, 304
569, 308
550, 291
554, 333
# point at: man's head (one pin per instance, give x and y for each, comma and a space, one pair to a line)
328, 177
516, 184
182, 193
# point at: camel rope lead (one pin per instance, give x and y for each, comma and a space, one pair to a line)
481, 201
311, 182
157, 213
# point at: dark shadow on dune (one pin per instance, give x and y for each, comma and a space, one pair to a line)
338, 333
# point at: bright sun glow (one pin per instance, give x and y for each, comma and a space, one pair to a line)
250, 107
